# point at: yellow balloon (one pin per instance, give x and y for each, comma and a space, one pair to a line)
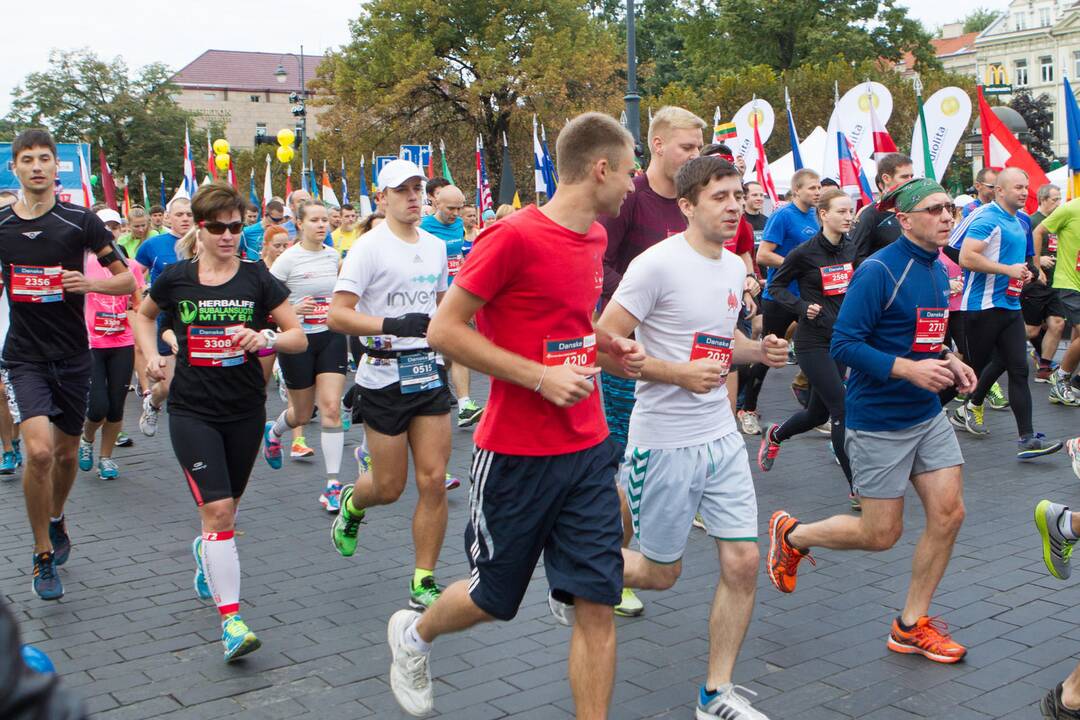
286, 137
221, 147
285, 154
222, 161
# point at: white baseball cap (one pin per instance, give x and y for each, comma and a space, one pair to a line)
397, 172
108, 215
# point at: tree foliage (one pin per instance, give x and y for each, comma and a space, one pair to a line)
1039, 115
979, 19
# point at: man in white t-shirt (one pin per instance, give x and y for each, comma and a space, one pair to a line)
685, 455
386, 293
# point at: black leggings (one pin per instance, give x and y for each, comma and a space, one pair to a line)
110, 373
826, 377
775, 320
997, 342
216, 456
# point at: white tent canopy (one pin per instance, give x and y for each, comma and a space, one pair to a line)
812, 150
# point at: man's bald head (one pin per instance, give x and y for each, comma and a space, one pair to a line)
1012, 189
298, 198
448, 204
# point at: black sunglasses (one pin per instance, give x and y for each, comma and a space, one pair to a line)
218, 228
276, 220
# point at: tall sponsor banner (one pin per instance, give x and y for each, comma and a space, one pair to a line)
69, 172
948, 112
852, 116
742, 145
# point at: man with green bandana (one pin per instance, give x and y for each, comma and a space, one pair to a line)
891, 333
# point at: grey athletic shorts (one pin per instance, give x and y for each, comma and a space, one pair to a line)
1071, 300
884, 461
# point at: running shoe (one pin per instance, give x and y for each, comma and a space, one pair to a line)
86, 455
996, 399
630, 605
784, 558
1036, 445
768, 450
969, 418
468, 414
331, 498
1063, 394
423, 596
802, 394
271, 446
1034, 358
561, 606
1043, 374
824, 428
1053, 708
60, 541
346, 525
929, 638
1073, 447
853, 500
237, 638
1056, 548
363, 459
792, 359
47, 585
124, 440
300, 449
749, 422
202, 588
148, 419
7, 463
346, 418
410, 671
727, 704
452, 482
107, 469
698, 522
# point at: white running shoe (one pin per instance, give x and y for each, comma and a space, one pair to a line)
749, 422
148, 419
410, 673
728, 705
563, 612
1072, 447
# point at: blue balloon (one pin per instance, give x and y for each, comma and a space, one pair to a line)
37, 660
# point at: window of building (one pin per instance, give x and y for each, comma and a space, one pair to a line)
209, 96
1020, 73
254, 98
1044, 17
260, 129
1020, 21
1046, 69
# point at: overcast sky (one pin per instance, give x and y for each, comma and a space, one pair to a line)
176, 33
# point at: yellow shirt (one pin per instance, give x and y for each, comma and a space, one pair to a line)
343, 241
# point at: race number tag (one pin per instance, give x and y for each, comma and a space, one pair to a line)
930, 327
712, 347
107, 323
1016, 286
213, 346
36, 284
319, 314
572, 351
1051, 243
418, 372
835, 278
453, 264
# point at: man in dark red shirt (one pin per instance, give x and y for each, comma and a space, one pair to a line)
543, 475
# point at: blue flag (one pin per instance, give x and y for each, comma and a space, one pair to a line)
253, 197
164, 202
796, 156
1072, 126
344, 184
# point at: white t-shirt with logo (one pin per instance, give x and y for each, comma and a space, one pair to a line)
392, 277
311, 274
676, 293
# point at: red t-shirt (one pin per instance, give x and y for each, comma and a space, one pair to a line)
540, 282
743, 242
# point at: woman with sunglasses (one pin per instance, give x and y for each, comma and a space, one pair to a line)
823, 267
309, 270
213, 302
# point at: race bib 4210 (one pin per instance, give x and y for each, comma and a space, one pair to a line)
572, 351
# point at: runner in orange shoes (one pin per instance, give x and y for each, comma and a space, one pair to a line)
929, 637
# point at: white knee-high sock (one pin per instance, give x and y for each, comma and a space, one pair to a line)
221, 565
281, 425
333, 445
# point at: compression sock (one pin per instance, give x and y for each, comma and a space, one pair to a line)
333, 445
221, 566
419, 574
281, 425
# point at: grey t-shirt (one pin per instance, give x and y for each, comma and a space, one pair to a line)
308, 273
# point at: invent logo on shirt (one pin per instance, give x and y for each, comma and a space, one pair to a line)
216, 311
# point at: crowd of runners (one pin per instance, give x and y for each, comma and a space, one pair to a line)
627, 327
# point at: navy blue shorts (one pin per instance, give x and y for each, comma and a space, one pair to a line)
566, 506
163, 348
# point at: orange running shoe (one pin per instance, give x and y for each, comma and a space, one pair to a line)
929, 638
784, 558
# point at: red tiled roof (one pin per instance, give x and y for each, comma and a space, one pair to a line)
944, 47
237, 70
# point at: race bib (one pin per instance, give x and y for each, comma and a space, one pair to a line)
572, 351
453, 264
930, 327
1051, 243
1016, 286
418, 372
213, 346
319, 314
712, 347
107, 323
835, 278
36, 284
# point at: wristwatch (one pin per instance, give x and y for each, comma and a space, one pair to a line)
271, 338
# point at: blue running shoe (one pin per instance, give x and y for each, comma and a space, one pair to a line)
331, 498
202, 588
238, 639
107, 469
7, 463
346, 418
363, 459
47, 585
60, 541
271, 447
86, 456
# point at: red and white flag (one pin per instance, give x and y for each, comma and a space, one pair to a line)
1001, 149
764, 177
883, 142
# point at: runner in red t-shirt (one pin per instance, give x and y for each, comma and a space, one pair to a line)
543, 475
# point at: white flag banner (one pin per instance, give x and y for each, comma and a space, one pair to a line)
852, 116
742, 145
947, 112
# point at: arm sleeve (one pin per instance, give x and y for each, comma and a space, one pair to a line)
778, 286
859, 315
444, 277
639, 289
282, 266
493, 263
616, 228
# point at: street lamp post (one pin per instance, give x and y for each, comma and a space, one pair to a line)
632, 99
300, 109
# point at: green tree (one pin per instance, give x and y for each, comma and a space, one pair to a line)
1039, 115
979, 19
81, 97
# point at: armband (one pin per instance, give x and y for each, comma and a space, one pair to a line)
112, 256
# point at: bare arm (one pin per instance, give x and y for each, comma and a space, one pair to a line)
972, 258
766, 255
345, 318
290, 338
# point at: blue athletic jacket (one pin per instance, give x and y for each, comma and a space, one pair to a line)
876, 325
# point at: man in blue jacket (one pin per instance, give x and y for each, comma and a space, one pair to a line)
891, 332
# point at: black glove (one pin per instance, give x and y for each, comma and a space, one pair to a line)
410, 325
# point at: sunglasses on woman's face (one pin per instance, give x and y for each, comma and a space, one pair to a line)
935, 210
218, 228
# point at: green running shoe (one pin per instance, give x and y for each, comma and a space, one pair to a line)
346, 525
422, 597
238, 639
469, 414
629, 605
996, 399
1056, 548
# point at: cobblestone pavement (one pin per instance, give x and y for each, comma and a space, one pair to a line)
134, 642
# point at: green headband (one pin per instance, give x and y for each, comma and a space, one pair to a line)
905, 197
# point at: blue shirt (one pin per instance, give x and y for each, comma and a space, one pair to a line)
970, 207
251, 241
453, 234
290, 227
787, 228
1008, 239
876, 325
156, 253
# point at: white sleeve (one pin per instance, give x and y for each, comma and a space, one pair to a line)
639, 288
283, 266
356, 270
444, 276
